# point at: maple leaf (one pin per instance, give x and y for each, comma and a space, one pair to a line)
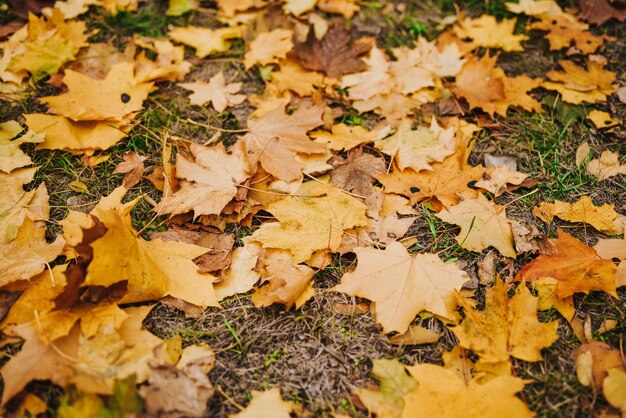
577, 85
274, 139
241, 275
536, 8
85, 136
262, 402
153, 269
205, 41
291, 76
49, 43
346, 137
613, 389
230, 8
416, 68
484, 85
346, 8
403, 285
375, 80
169, 64
582, 273
282, 281
132, 167
356, 173
308, 224
441, 393
606, 166
442, 186
298, 7
483, 224
216, 92
28, 253
593, 361
502, 179
418, 148
563, 31
209, 183
486, 32
70, 8
394, 381
119, 94
600, 217
506, 328
11, 156
269, 47
601, 120
335, 54
599, 12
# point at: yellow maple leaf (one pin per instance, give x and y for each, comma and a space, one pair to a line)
208, 183
506, 328
577, 84
374, 81
11, 156
269, 47
563, 31
308, 224
153, 269
496, 180
205, 41
483, 224
16, 204
263, 402
346, 8
614, 389
50, 43
441, 393
79, 137
403, 285
606, 166
216, 92
292, 76
536, 8
345, 137
118, 95
600, 217
485, 31
229, 8
416, 149
169, 64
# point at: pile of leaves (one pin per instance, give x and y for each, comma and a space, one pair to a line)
309, 187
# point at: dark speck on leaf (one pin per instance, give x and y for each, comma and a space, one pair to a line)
125, 98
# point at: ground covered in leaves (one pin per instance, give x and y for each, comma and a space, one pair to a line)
313, 208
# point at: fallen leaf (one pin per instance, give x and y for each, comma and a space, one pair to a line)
335, 54
394, 383
602, 120
282, 281
298, 7
216, 92
274, 139
345, 137
506, 327
240, 276
346, 8
403, 285
153, 268
606, 166
608, 249
614, 389
169, 64
204, 40
291, 76
536, 8
483, 224
593, 361
600, 217
564, 31
440, 392
118, 95
269, 47
180, 7
208, 183
266, 402
132, 167
230, 8
415, 335
84, 136
577, 84
484, 85
28, 253
374, 81
11, 156
581, 273
546, 288
485, 31
501, 179
417, 149
599, 12
356, 173
309, 224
